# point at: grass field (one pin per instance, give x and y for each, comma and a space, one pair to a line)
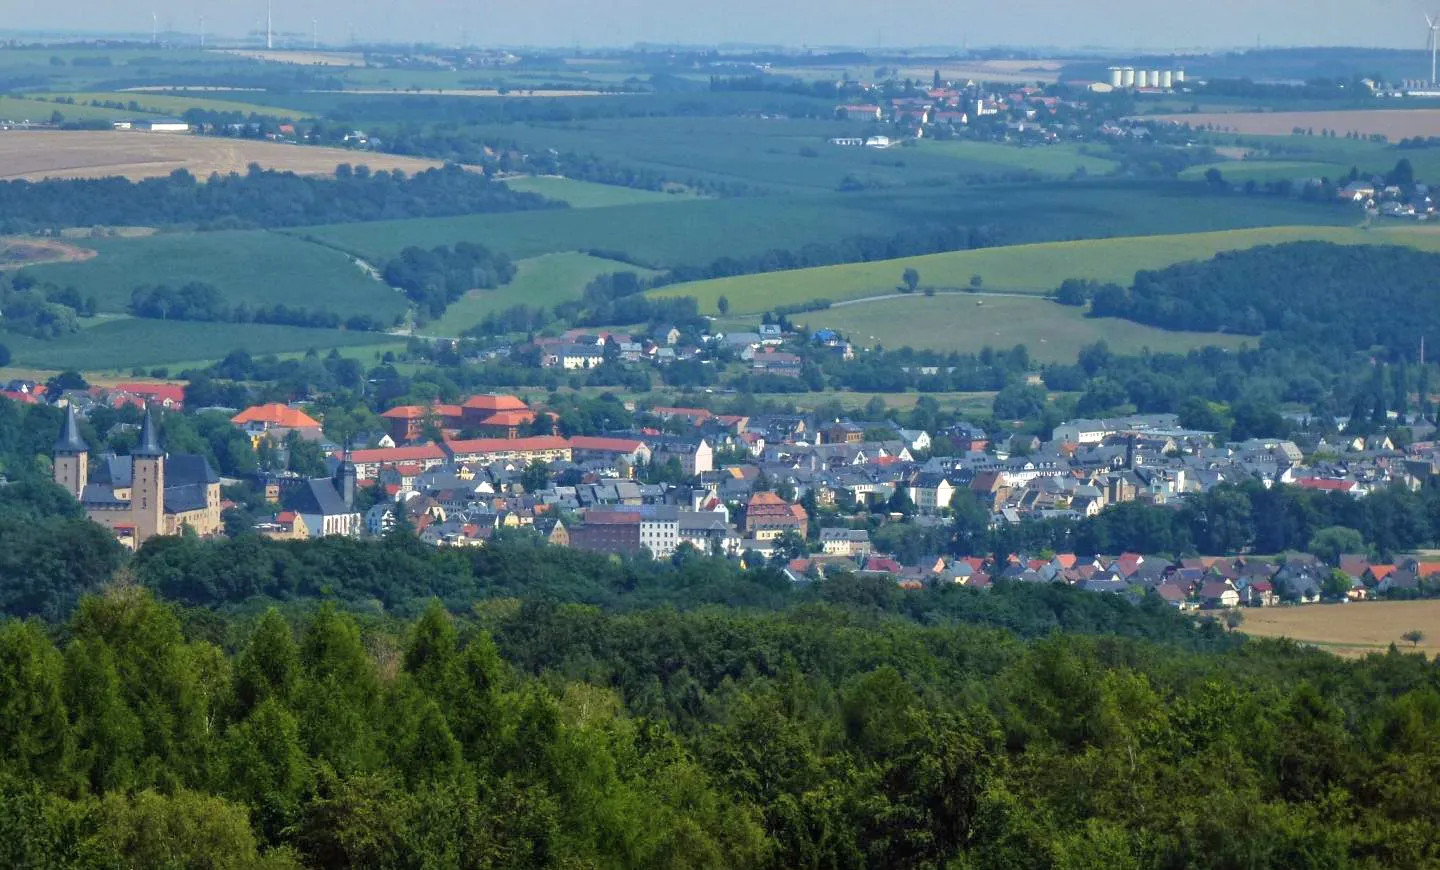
174, 103
587, 194
1058, 161
700, 231
544, 281
123, 343
20, 109
1036, 269
259, 268
35, 155
961, 322
1350, 629
1262, 171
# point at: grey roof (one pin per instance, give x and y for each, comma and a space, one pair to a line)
70, 440
184, 499
318, 496
149, 439
99, 494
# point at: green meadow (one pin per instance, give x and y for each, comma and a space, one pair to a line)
587, 194
1028, 269
964, 322
124, 343
258, 268
1058, 161
543, 281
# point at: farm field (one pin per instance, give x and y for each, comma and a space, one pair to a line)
1262, 171
18, 252
966, 323
1395, 124
1353, 629
1058, 161
35, 155
171, 103
701, 231
543, 281
588, 194
21, 109
258, 268
1030, 269
123, 343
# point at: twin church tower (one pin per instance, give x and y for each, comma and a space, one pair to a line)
142, 495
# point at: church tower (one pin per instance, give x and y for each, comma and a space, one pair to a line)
345, 478
72, 456
147, 483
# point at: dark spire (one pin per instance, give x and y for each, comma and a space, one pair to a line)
149, 438
70, 440
347, 476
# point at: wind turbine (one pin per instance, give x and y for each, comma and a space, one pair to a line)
269, 26
314, 34
154, 28
1433, 22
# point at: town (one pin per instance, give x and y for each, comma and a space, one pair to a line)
812, 496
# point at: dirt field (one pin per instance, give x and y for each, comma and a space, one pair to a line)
1396, 124
83, 154
16, 253
1350, 629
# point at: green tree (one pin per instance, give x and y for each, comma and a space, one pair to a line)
723, 305
1331, 542
910, 279
1414, 636
535, 477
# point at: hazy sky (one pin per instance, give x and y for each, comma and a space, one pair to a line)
1066, 23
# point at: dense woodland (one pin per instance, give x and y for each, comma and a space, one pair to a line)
197, 300
1344, 297
848, 724
259, 198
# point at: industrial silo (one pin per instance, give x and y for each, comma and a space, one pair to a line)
1117, 77
1142, 78
1167, 79
1127, 77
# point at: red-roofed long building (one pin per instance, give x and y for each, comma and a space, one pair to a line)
540, 448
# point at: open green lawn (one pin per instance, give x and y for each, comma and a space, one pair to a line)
23, 109
175, 103
587, 194
701, 231
1262, 171
1032, 269
962, 322
123, 343
1061, 160
258, 268
543, 281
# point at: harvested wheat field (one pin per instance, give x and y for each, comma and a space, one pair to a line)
1350, 629
1395, 124
35, 155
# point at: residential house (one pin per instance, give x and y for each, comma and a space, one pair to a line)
768, 516
845, 542
275, 421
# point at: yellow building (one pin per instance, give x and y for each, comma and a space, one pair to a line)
142, 495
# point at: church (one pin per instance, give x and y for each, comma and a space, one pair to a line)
142, 495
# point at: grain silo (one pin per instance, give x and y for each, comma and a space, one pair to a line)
1117, 77
1127, 77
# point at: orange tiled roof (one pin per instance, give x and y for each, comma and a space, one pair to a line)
508, 418
276, 414
495, 403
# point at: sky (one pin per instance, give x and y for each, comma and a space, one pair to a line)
1122, 24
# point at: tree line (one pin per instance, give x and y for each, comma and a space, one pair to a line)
435, 278
1021, 728
197, 300
258, 198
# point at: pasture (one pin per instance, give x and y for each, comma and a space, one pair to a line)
699, 231
1029, 269
35, 155
1056, 161
123, 343
543, 281
587, 194
1394, 124
1354, 629
22, 109
173, 103
963, 322
258, 268
1262, 171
